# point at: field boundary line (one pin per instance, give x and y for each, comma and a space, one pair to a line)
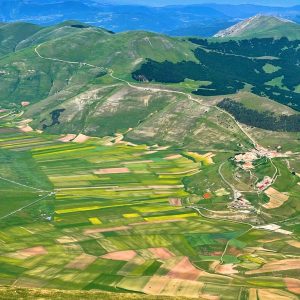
26, 206
24, 185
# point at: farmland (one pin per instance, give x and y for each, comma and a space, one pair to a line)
104, 214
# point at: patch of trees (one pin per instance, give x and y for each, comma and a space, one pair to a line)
285, 97
281, 48
229, 65
55, 114
287, 54
264, 120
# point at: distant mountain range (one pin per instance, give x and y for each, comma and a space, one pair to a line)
192, 20
261, 26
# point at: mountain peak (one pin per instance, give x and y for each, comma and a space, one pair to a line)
257, 23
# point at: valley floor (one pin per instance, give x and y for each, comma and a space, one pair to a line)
103, 214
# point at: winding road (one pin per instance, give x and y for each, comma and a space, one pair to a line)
110, 72
152, 89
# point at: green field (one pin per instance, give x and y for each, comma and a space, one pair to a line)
115, 217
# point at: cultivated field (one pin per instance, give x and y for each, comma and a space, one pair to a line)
113, 216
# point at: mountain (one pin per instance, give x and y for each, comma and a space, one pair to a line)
12, 34
65, 69
261, 26
178, 20
136, 162
244, 11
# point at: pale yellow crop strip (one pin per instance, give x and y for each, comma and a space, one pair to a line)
64, 151
79, 209
171, 217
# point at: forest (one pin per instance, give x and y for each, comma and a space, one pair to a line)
263, 120
271, 67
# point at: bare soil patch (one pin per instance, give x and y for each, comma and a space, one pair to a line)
30, 252
161, 253
81, 138
227, 269
81, 262
99, 230
293, 285
120, 255
276, 198
112, 171
294, 243
275, 266
67, 138
185, 270
26, 128
175, 202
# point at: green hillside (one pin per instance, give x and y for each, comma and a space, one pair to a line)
148, 166
26, 76
66, 67
11, 34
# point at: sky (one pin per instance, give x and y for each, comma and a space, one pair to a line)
174, 2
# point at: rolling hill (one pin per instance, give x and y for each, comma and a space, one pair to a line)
67, 68
261, 26
148, 166
12, 34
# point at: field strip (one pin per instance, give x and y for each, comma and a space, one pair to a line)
26, 206
227, 220
10, 113
24, 185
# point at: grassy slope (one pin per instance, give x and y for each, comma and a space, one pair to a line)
92, 105
27, 76
262, 104
122, 52
12, 34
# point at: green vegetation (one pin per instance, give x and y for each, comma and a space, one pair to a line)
264, 120
269, 68
109, 216
31, 294
12, 34
230, 65
75, 81
111, 180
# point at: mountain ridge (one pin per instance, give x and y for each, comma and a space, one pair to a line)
262, 26
177, 20
67, 68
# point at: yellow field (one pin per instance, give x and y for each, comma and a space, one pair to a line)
95, 221
128, 216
